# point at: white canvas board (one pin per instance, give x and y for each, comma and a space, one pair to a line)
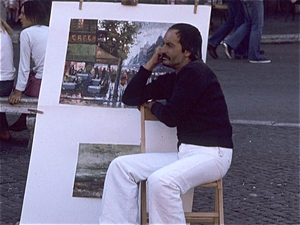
61, 128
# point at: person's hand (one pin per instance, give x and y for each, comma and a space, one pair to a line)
15, 97
155, 60
149, 104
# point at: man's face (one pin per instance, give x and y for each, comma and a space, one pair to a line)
172, 54
25, 22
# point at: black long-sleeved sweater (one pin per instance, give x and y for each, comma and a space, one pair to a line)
195, 103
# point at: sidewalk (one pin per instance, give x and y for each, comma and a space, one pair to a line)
262, 186
277, 28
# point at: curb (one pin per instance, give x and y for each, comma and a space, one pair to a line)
280, 38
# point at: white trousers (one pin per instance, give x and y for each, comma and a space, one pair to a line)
168, 175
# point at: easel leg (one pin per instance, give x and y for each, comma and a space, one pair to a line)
30, 122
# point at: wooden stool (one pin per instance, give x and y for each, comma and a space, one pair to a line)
210, 217
216, 217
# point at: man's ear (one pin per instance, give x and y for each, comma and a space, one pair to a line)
187, 53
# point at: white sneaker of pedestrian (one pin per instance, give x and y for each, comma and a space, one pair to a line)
263, 60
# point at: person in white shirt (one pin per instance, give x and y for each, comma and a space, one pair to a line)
33, 41
7, 73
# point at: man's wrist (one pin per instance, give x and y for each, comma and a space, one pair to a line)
17, 92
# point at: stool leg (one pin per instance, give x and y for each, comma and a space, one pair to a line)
143, 203
221, 205
217, 205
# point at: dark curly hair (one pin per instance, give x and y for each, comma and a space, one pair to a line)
189, 38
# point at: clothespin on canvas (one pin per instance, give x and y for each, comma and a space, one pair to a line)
35, 111
80, 4
196, 6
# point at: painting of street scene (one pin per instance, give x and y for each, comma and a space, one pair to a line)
92, 164
104, 55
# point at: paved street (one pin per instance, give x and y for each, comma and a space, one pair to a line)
14, 161
262, 185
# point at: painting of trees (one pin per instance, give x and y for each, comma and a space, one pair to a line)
101, 52
120, 36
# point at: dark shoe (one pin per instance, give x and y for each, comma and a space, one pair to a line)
18, 126
263, 60
261, 52
5, 135
212, 51
241, 57
227, 50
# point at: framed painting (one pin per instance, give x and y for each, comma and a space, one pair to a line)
92, 165
104, 55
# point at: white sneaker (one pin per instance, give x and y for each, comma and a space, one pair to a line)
263, 60
227, 50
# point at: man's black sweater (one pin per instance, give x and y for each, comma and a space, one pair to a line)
195, 103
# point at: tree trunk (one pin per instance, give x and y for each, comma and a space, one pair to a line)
117, 81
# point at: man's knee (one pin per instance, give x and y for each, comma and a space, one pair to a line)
158, 182
122, 167
118, 162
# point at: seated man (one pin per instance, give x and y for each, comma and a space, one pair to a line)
197, 107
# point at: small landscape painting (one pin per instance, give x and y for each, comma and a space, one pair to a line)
92, 164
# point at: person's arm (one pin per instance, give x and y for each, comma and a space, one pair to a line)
24, 64
24, 69
137, 92
185, 95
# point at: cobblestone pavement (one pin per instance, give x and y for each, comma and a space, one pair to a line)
14, 162
262, 185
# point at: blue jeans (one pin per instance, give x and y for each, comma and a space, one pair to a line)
254, 12
5, 90
235, 19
